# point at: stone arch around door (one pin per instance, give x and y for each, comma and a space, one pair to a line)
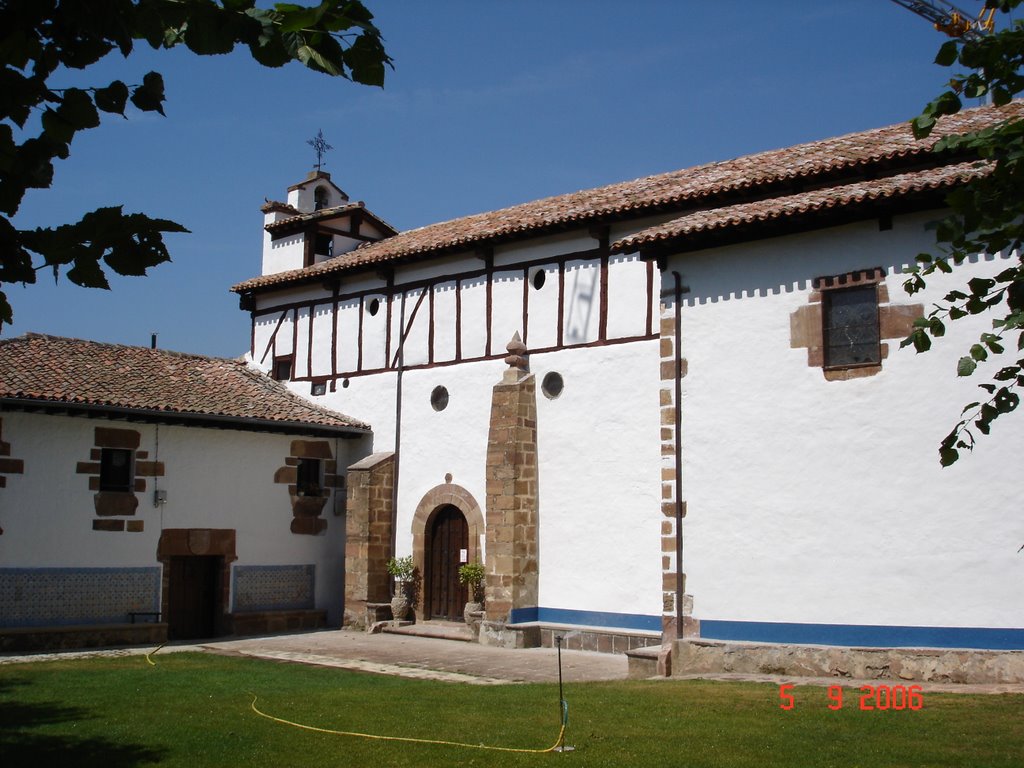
436, 499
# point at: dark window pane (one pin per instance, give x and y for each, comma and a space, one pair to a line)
282, 368
851, 326
439, 398
115, 469
308, 477
324, 245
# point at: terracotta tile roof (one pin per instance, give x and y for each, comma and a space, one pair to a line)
845, 155
294, 223
692, 226
277, 205
36, 368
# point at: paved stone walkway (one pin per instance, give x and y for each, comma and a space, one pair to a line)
454, 661
411, 656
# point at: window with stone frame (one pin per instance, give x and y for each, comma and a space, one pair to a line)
850, 326
116, 470
308, 481
846, 322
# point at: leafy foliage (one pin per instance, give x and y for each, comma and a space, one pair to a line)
402, 569
41, 38
473, 576
987, 217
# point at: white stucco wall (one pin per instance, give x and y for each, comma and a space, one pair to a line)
474, 316
599, 480
444, 312
506, 309
283, 253
823, 502
599, 498
542, 307
599, 505
371, 399
436, 443
214, 478
627, 289
582, 302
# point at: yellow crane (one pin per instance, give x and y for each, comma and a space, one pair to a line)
951, 20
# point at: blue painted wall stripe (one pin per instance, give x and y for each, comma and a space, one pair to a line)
635, 621
862, 635
869, 636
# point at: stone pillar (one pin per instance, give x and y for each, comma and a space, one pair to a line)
511, 521
676, 604
368, 535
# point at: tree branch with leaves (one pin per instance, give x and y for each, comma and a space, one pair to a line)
987, 217
38, 121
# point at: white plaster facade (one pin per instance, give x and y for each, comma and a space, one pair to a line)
821, 502
212, 479
811, 506
816, 510
599, 459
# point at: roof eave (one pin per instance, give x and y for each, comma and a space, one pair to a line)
207, 420
716, 237
464, 246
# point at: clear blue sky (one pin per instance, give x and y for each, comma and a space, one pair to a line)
490, 104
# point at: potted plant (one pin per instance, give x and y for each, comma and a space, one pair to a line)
472, 575
404, 573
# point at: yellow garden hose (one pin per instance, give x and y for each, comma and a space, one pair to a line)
149, 660
552, 748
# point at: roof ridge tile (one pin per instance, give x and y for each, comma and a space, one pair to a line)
874, 146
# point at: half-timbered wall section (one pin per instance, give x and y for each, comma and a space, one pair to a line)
458, 310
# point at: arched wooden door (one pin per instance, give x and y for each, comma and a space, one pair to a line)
448, 541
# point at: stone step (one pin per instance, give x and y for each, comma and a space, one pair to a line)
439, 630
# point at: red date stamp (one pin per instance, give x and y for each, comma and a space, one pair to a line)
872, 697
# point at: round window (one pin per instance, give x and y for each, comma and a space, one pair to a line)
538, 278
552, 385
439, 398
373, 307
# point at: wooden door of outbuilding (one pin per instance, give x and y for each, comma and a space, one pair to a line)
193, 597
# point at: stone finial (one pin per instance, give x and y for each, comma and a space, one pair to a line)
517, 353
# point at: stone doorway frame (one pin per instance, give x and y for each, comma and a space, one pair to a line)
438, 497
187, 542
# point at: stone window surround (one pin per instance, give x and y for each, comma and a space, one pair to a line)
307, 509
112, 505
8, 466
895, 321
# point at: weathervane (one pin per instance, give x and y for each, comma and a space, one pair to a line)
321, 147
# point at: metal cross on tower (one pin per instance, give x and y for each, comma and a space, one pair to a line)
320, 146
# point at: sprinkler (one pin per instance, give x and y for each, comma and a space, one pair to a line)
563, 705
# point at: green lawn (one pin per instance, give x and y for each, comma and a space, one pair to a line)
194, 710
